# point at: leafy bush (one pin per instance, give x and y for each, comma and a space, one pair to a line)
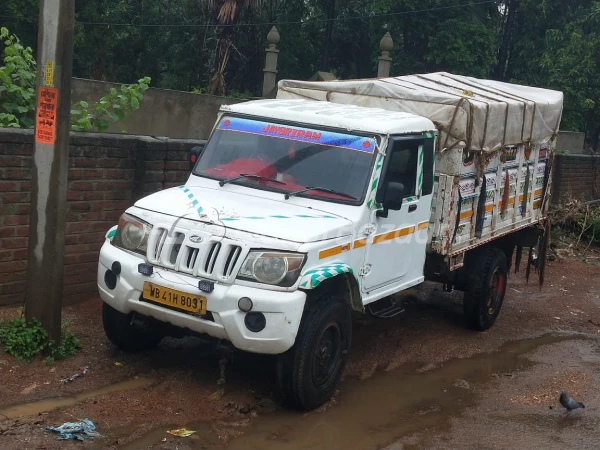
17, 93
578, 217
17, 83
230, 94
590, 223
239, 94
25, 340
114, 106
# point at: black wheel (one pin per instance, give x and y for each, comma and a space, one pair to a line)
125, 335
485, 290
309, 372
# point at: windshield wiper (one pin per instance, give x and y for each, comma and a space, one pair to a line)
318, 188
249, 175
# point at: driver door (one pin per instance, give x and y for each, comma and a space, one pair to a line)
396, 252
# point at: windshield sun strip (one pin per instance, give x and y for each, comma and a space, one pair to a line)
298, 133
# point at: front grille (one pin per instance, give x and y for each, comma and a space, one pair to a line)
208, 257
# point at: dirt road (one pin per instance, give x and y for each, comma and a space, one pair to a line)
417, 381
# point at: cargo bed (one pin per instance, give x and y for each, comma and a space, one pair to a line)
492, 137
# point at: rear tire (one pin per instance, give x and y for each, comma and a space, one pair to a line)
309, 372
125, 335
485, 289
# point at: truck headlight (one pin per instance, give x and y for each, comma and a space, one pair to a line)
132, 234
272, 267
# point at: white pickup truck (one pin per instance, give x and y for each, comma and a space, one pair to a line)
336, 196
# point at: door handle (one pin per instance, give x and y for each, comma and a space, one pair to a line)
412, 208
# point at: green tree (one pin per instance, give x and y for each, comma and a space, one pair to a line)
218, 45
558, 46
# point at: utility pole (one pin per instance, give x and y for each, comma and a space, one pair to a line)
45, 262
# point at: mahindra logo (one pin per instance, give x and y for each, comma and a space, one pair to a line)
196, 239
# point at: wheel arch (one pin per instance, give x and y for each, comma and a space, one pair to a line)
337, 279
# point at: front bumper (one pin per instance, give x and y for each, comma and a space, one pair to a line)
282, 310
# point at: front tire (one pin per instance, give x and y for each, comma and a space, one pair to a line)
485, 290
124, 334
309, 372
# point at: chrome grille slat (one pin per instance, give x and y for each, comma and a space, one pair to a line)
170, 241
211, 259
175, 251
161, 242
190, 258
232, 258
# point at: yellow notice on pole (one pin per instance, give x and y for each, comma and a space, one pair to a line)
49, 78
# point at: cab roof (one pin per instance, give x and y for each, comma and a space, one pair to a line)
335, 115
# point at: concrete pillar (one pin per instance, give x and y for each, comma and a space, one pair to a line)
385, 62
47, 223
270, 71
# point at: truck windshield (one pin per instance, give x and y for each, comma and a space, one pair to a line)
286, 158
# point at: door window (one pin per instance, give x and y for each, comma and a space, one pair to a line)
402, 167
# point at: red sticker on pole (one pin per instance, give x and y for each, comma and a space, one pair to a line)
45, 120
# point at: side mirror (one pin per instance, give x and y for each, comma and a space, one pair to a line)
394, 194
194, 155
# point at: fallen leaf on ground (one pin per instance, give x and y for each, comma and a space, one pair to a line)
29, 388
181, 432
218, 395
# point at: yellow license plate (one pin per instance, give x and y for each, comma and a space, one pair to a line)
173, 298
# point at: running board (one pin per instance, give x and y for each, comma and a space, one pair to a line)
385, 308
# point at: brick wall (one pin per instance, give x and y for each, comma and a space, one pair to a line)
576, 176
107, 173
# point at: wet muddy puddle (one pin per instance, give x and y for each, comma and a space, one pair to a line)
376, 412
368, 414
49, 404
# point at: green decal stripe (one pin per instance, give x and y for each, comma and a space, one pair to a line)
313, 277
420, 170
428, 135
194, 202
375, 180
302, 216
111, 233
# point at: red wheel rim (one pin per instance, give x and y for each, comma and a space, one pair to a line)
497, 289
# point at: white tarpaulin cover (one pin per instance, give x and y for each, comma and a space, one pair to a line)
477, 114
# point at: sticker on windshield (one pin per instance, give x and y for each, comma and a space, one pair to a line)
320, 137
